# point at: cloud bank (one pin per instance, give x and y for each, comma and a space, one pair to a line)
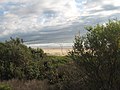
40, 19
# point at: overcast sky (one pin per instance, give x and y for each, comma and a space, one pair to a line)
40, 19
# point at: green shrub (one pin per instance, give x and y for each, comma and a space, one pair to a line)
97, 55
16, 58
5, 87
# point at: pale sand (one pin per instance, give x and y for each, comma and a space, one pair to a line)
57, 51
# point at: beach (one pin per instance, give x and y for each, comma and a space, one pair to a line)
57, 51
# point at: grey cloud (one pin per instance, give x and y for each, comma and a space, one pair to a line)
110, 7
50, 35
91, 2
50, 13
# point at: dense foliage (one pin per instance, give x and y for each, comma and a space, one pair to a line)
18, 61
5, 87
97, 55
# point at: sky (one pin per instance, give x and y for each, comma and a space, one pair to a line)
53, 21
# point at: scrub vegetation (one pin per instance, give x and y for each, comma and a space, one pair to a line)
93, 63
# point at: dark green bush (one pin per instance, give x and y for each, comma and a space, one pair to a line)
5, 87
15, 58
97, 55
21, 62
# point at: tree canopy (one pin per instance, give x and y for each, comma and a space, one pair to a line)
98, 56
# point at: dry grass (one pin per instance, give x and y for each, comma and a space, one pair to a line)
27, 85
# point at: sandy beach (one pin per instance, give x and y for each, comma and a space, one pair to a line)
57, 51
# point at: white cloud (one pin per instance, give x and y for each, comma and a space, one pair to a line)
29, 14
23, 16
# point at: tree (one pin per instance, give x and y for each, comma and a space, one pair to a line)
37, 54
98, 56
14, 56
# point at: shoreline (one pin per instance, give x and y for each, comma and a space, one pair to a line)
56, 49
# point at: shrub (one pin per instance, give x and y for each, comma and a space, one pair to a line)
5, 87
98, 56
